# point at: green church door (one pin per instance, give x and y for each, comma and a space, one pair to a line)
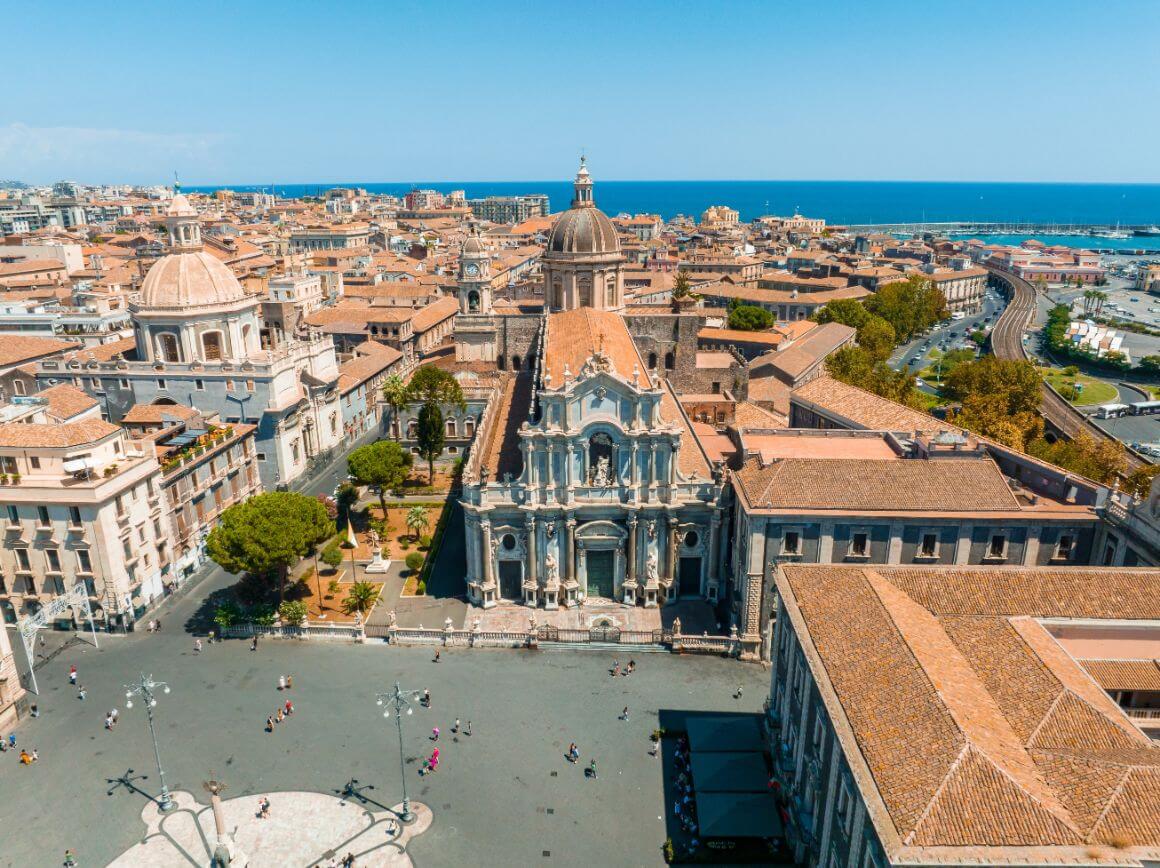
601, 567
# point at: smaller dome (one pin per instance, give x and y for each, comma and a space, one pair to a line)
472, 246
583, 230
184, 280
179, 207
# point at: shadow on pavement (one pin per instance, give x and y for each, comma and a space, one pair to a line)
448, 576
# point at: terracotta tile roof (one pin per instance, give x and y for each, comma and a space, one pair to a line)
1125, 674
574, 335
66, 401
17, 349
749, 415
17, 434
156, 414
502, 451
865, 409
975, 726
361, 368
107, 352
691, 461
433, 314
877, 485
805, 353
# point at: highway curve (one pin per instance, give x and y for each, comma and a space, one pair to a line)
1007, 343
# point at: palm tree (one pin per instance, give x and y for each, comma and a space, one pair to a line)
361, 599
416, 520
1100, 298
395, 397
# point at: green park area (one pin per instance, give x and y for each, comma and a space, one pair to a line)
1079, 388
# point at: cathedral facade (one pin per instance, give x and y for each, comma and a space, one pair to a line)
586, 480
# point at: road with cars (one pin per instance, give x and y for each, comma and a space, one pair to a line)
947, 335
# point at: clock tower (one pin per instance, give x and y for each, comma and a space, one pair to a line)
474, 278
475, 330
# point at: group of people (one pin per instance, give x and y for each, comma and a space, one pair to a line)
111, 719
684, 805
626, 671
153, 626
283, 712
26, 758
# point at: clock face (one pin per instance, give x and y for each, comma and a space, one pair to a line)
471, 270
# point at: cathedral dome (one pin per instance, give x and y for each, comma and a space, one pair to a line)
192, 279
583, 230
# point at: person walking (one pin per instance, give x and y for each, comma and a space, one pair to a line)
281, 682
289, 708
280, 716
289, 682
592, 769
436, 659
624, 714
115, 715
254, 644
737, 695
426, 698
196, 646
12, 739
72, 675
631, 667
70, 858
269, 724
573, 752
615, 670
81, 692
435, 734
468, 730
108, 722
34, 710
455, 728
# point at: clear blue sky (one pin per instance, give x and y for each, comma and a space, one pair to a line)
256, 92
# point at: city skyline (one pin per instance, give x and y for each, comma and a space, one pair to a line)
728, 92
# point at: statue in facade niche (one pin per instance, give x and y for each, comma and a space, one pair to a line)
602, 475
650, 567
551, 568
550, 530
652, 529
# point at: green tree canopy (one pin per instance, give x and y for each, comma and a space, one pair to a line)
854, 365
395, 396
681, 285
429, 433
1000, 399
416, 520
383, 463
847, 311
750, 318
268, 533
876, 336
1102, 460
910, 305
432, 385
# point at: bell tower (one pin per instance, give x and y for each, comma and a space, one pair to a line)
475, 330
474, 278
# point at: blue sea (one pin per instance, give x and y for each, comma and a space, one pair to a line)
837, 201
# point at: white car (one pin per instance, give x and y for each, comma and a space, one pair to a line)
918, 381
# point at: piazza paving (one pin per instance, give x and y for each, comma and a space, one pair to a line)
503, 795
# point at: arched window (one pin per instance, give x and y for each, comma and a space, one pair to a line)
167, 347
211, 346
670, 361
452, 428
652, 361
500, 362
472, 301
515, 363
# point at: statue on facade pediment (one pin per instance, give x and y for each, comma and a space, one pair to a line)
552, 569
650, 567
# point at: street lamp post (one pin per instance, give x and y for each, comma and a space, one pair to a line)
146, 688
400, 699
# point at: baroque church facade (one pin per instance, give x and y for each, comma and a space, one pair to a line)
586, 480
198, 343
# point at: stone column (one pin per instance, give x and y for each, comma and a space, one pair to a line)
570, 557
714, 533
672, 474
486, 553
671, 569
530, 454
533, 564
630, 571
635, 469
652, 464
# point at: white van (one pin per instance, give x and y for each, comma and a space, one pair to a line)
958, 314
